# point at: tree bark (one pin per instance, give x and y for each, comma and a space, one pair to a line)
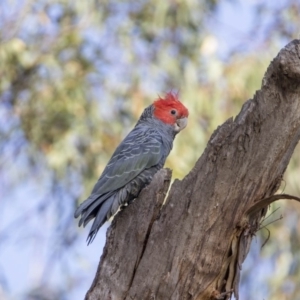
193, 245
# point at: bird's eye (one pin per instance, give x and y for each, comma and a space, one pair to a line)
173, 112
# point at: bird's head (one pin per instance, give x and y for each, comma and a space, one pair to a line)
171, 111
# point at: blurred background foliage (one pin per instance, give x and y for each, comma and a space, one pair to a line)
74, 78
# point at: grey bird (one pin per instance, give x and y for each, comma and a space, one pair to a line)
135, 161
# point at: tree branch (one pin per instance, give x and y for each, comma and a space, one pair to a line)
193, 248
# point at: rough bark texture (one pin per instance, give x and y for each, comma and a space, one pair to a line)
193, 246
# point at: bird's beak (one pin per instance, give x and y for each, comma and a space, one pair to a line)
181, 124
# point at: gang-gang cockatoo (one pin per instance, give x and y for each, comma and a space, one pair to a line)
135, 161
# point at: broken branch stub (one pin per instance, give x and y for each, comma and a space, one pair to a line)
194, 247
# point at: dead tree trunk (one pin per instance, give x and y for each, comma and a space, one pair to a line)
193, 246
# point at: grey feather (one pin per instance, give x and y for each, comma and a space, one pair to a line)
100, 219
133, 164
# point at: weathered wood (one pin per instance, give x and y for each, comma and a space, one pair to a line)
195, 246
126, 241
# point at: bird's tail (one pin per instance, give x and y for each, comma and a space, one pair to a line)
98, 207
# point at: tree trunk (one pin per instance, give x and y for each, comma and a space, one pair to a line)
193, 245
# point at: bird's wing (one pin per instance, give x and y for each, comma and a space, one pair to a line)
139, 150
